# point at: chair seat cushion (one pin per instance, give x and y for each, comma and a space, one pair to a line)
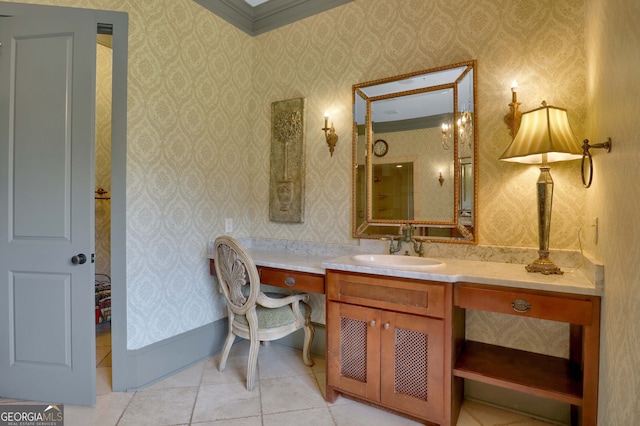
274, 317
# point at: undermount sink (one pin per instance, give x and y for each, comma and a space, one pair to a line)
413, 263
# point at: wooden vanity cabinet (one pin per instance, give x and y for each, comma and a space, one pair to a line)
386, 343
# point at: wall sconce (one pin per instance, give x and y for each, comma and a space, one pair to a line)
329, 133
441, 178
544, 136
586, 181
514, 117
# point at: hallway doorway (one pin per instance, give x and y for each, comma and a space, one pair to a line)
104, 74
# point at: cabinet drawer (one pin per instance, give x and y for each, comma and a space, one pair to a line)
300, 281
295, 280
397, 294
570, 308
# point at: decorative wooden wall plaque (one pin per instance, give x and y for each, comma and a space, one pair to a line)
287, 175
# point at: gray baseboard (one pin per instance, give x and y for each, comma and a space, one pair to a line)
148, 365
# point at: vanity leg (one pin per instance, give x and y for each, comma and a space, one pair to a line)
457, 342
575, 356
590, 363
584, 355
332, 395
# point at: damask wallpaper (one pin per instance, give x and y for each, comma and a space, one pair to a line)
199, 117
200, 92
321, 57
188, 149
613, 103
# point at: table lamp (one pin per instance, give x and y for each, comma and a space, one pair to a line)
544, 137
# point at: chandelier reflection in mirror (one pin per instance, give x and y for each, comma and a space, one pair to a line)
464, 125
447, 134
465, 128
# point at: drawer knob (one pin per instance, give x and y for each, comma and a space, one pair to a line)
386, 326
290, 281
372, 323
521, 305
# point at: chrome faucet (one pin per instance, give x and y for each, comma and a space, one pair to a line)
407, 231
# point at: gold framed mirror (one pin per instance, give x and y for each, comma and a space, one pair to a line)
424, 172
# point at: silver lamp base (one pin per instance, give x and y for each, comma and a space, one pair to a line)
544, 185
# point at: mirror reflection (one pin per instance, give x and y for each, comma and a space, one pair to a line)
415, 155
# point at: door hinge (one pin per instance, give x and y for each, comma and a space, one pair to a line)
93, 258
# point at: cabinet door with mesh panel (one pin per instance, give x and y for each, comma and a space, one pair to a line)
412, 364
353, 350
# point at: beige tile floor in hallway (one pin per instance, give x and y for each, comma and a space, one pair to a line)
287, 393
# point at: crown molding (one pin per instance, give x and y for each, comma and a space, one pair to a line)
269, 15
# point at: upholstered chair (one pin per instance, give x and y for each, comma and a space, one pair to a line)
253, 315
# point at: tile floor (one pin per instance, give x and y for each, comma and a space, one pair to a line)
287, 393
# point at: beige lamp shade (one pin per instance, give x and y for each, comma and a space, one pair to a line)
545, 130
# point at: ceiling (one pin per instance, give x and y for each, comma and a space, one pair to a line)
260, 16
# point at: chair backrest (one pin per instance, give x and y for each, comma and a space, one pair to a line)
235, 269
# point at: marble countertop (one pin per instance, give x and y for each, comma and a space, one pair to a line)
287, 260
480, 272
455, 270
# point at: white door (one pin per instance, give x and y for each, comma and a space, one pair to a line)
47, 120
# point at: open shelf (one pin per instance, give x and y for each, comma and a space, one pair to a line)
542, 375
